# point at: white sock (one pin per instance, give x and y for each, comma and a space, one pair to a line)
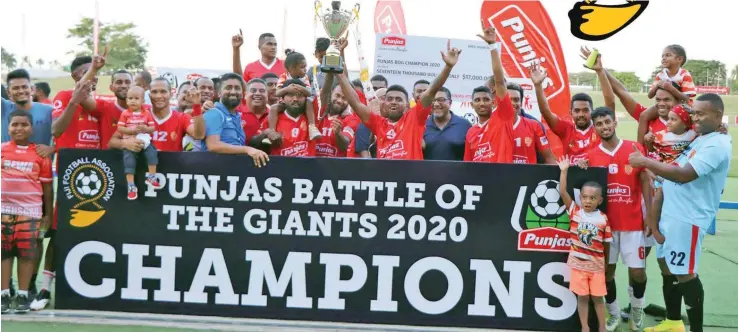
23, 293
6, 292
48, 278
638, 303
613, 309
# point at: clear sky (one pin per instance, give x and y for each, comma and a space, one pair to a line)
197, 34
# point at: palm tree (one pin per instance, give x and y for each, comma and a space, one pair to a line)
8, 59
26, 61
40, 63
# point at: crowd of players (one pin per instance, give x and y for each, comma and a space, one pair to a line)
235, 110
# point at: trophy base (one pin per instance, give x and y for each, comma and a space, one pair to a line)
332, 64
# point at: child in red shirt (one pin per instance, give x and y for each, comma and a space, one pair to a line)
140, 123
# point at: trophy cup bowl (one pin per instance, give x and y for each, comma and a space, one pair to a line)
335, 23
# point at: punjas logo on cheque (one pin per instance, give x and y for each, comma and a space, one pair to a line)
88, 182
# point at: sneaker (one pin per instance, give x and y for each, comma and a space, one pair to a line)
667, 326
6, 303
41, 300
314, 132
612, 323
636, 318
22, 304
132, 192
153, 181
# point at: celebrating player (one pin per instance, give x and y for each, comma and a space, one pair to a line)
492, 140
400, 135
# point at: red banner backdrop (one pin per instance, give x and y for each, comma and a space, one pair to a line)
721, 90
389, 17
527, 36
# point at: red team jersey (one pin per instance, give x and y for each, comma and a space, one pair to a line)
623, 185
84, 129
492, 142
109, 114
528, 139
576, 142
326, 145
402, 140
257, 69
170, 131
295, 137
131, 119
23, 172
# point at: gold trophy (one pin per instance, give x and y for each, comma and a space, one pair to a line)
335, 23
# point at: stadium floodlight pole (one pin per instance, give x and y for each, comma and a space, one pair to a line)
283, 42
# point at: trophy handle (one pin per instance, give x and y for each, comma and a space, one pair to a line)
357, 6
318, 6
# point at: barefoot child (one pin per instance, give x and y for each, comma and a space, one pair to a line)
140, 123
296, 66
591, 235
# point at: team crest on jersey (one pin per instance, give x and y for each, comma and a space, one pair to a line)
296, 131
173, 135
303, 126
528, 141
594, 136
391, 134
628, 169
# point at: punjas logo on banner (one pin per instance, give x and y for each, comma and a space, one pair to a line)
89, 183
540, 219
591, 21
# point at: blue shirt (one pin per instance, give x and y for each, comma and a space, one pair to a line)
363, 141
446, 143
220, 121
697, 202
41, 114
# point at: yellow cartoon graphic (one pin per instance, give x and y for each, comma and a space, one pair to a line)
590, 21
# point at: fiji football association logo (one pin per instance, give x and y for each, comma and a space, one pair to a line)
88, 183
540, 218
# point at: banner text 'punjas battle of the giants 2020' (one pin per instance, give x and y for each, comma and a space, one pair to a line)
383, 242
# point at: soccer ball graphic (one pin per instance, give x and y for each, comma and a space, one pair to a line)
545, 200
88, 183
545, 208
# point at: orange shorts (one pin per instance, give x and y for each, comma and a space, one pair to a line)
20, 237
587, 283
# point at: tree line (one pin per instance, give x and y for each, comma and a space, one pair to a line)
129, 51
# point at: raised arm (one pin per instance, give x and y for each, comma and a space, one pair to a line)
607, 91
81, 92
237, 42
538, 76
327, 89
630, 104
451, 57
490, 36
564, 164
353, 99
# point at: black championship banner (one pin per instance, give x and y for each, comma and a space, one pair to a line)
345, 240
